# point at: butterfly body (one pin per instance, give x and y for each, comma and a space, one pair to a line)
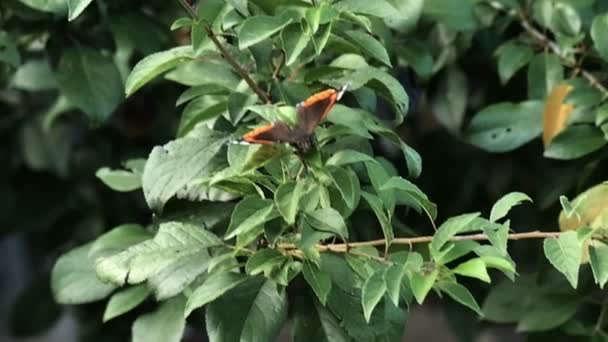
310, 113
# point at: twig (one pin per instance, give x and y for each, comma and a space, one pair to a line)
226, 54
278, 68
342, 247
554, 47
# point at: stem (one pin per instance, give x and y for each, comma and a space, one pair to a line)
554, 47
342, 247
226, 54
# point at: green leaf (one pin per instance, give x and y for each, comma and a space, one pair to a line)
498, 235
564, 253
508, 301
394, 282
599, 27
422, 282
546, 314
598, 257
56, 6
346, 157
505, 203
449, 102
380, 8
216, 285
73, 279
174, 248
199, 110
319, 281
199, 72
451, 227
418, 56
407, 190
253, 311
75, 8
475, 268
455, 14
347, 183
372, 292
575, 142
544, 73
377, 206
9, 53
264, 261
385, 84
90, 81
512, 56
173, 166
328, 220
406, 16
460, 294
287, 200
250, 213
119, 239
155, 64
256, 29
506, 126
294, 42
166, 324
119, 180
565, 19
369, 45
34, 75
313, 322
125, 301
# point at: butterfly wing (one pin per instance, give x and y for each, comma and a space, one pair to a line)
269, 134
315, 109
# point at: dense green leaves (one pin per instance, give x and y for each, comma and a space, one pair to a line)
285, 212
90, 81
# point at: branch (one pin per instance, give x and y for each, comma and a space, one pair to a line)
343, 248
554, 47
226, 54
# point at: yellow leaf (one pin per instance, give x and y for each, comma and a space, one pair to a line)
556, 112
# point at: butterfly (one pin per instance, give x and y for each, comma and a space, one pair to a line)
310, 113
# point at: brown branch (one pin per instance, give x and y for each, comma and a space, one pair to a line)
226, 54
555, 48
342, 247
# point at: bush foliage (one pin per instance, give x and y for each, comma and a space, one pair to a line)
237, 240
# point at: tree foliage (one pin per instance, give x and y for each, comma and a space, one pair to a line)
231, 230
